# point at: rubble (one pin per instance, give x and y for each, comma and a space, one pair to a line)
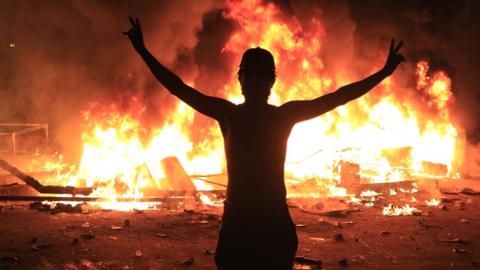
338, 237
314, 264
162, 235
188, 261
469, 191
87, 265
343, 262
88, 235
452, 240
459, 251
9, 259
208, 251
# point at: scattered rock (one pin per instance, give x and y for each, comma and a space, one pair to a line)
452, 240
459, 205
459, 250
36, 247
66, 208
338, 237
203, 222
40, 206
469, 191
188, 261
208, 251
314, 264
75, 241
70, 266
88, 235
385, 233
87, 265
126, 223
300, 225
464, 220
161, 235
113, 238
115, 228
138, 253
343, 262
9, 259
86, 225
34, 240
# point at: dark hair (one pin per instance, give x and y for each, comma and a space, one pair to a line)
258, 61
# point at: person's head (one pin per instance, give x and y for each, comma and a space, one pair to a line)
256, 74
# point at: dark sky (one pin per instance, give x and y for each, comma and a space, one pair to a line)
69, 53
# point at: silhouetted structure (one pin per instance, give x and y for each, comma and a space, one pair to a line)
257, 231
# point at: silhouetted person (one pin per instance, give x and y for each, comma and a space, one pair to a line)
257, 231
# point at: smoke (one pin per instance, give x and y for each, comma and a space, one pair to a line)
59, 56
442, 32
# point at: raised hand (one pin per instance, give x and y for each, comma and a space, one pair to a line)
394, 57
135, 34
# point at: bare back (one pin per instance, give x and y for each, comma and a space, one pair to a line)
255, 145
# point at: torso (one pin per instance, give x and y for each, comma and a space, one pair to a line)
255, 145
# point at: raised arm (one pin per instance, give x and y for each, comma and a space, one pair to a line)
210, 106
305, 109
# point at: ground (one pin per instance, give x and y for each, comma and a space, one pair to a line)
170, 238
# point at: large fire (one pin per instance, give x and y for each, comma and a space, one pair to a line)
390, 140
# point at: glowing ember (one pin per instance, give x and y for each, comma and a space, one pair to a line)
432, 202
405, 210
369, 193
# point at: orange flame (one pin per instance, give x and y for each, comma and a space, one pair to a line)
389, 139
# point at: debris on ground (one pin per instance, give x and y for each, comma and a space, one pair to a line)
452, 240
40, 206
314, 264
9, 259
70, 266
57, 207
428, 226
162, 235
66, 208
36, 247
459, 205
459, 250
469, 191
87, 265
208, 251
343, 262
88, 235
338, 237
188, 261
